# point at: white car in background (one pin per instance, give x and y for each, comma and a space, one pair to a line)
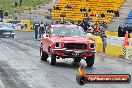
6, 30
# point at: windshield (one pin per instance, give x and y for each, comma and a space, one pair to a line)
5, 25
128, 21
68, 31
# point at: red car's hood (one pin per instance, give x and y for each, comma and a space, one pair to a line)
71, 39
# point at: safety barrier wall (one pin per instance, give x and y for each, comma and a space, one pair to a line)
130, 43
128, 53
117, 40
131, 35
98, 42
109, 33
114, 50
119, 51
23, 25
114, 40
114, 46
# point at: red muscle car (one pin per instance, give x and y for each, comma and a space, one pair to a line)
67, 41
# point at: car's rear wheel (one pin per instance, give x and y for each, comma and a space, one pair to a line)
53, 59
43, 55
90, 60
77, 59
12, 36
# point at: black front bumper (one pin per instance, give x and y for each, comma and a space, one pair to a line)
73, 53
6, 33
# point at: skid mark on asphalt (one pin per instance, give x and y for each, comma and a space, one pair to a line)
10, 78
30, 44
13, 45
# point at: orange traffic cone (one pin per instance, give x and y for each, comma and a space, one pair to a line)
126, 43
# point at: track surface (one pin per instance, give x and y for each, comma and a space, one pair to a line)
21, 67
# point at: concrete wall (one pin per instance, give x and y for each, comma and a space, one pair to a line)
114, 50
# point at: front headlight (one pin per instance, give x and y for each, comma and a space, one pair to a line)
92, 46
57, 45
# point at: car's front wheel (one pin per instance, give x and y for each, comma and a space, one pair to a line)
90, 60
43, 55
12, 36
53, 59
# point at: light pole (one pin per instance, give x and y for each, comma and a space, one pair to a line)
15, 15
30, 17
